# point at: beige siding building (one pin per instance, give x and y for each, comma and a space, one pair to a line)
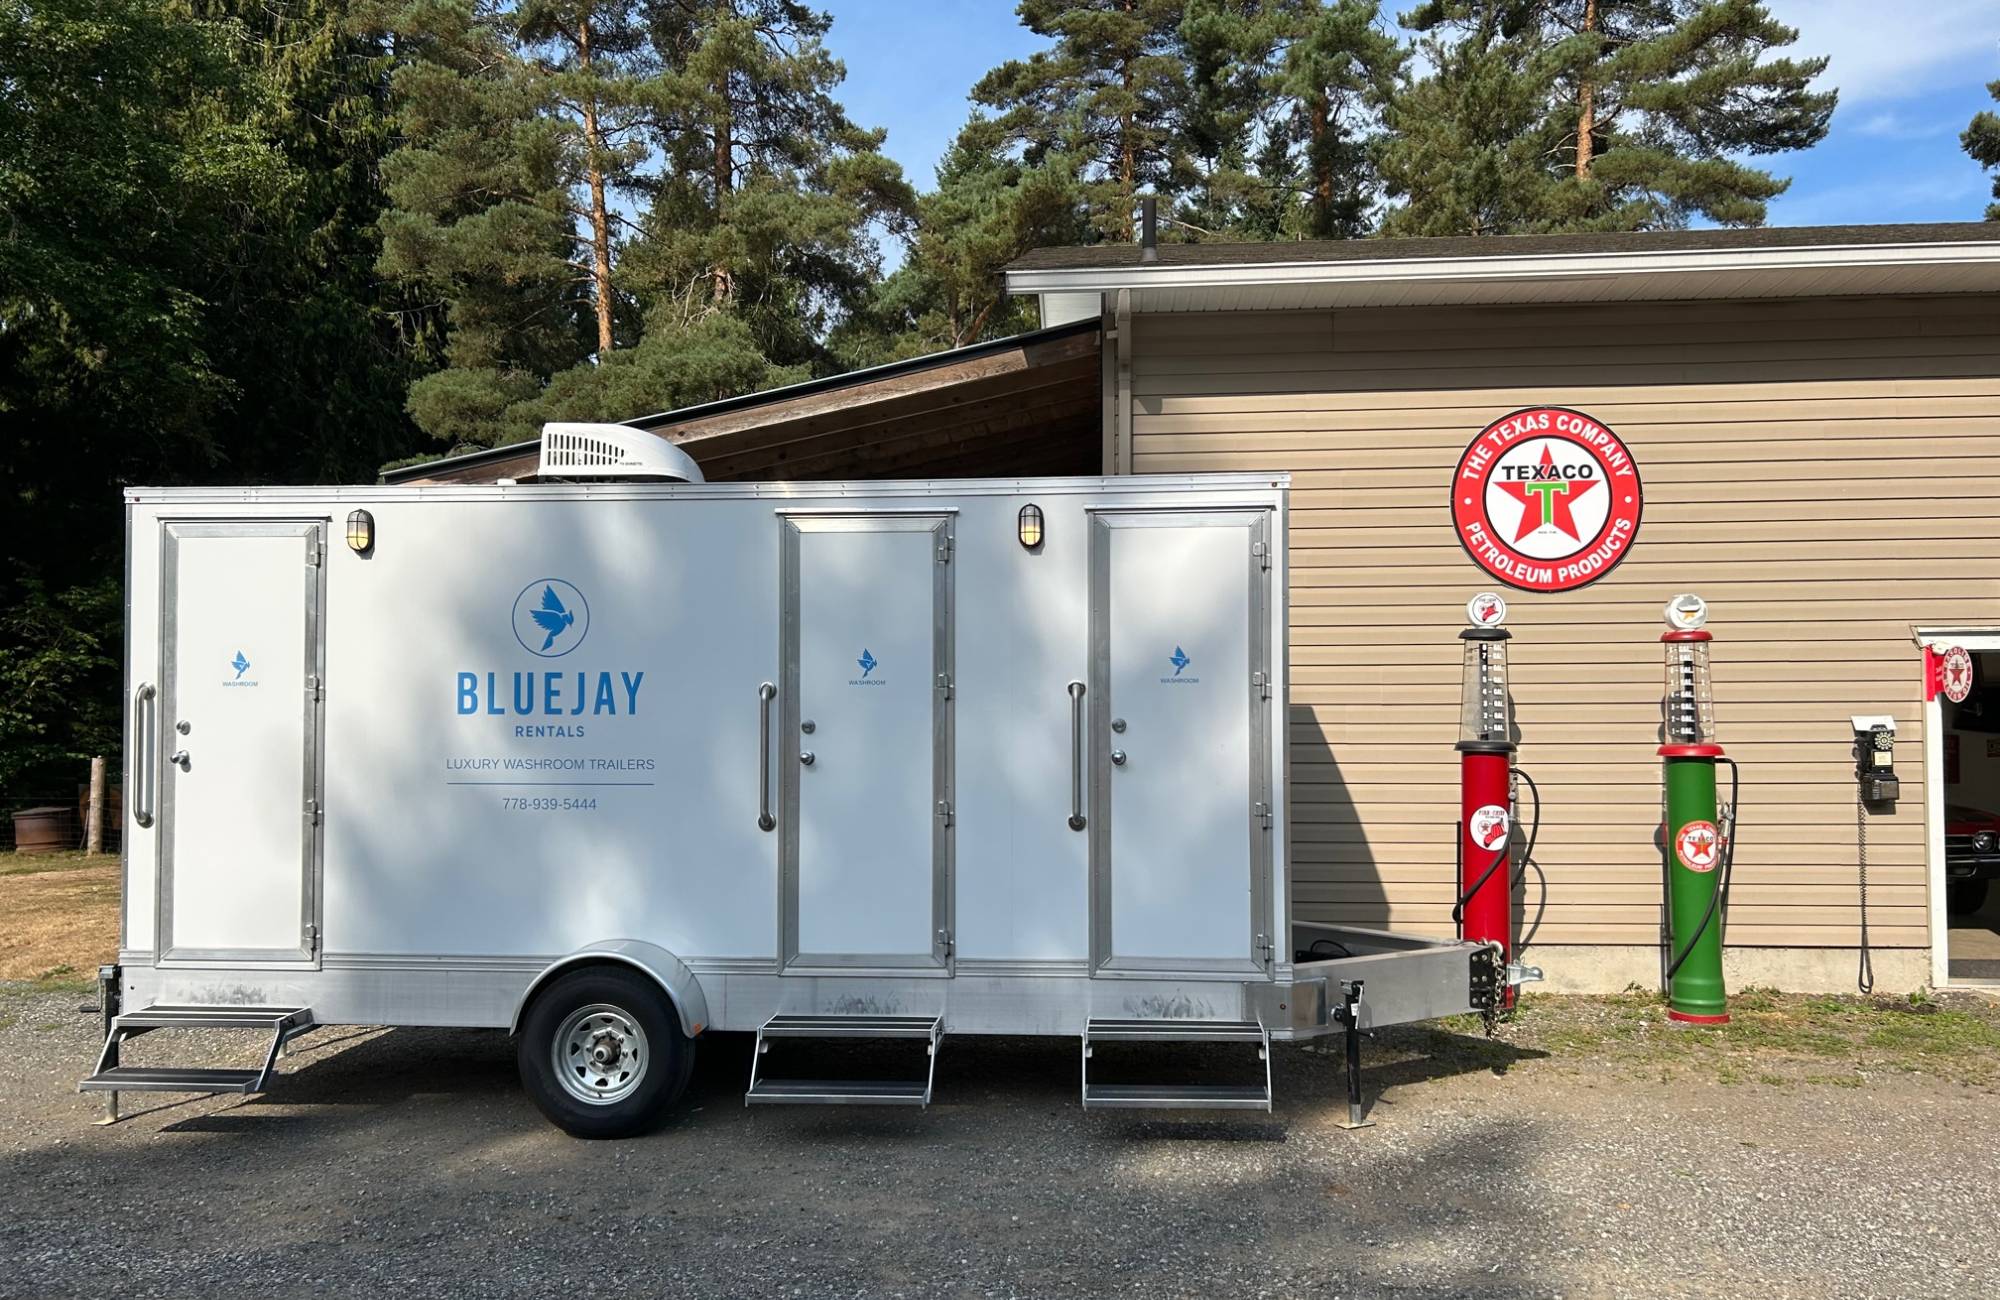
1815, 416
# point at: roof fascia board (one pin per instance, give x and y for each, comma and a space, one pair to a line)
1541, 267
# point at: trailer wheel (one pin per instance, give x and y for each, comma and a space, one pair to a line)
602, 1054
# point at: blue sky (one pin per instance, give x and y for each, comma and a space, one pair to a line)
1911, 73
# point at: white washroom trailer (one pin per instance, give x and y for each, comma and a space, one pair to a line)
611, 764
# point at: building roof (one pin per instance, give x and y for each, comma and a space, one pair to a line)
1377, 250
976, 409
1769, 261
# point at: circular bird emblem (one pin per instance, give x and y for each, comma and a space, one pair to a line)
1698, 845
551, 618
1546, 499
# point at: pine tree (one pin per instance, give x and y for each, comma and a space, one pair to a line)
988, 209
1660, 99
1331, 70
1596, 115
1469, 143
772, 192
1110, 94
520, 127
1224, 45
1982, 141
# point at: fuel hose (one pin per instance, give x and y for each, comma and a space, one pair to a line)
1527, 853
1718, 902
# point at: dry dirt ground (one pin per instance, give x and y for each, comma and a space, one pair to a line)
1816, 1147
58, 915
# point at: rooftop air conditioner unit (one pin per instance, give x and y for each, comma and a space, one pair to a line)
618, 452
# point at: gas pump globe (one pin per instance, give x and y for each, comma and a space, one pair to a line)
1689, 699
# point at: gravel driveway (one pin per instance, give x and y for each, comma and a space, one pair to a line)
407, 1162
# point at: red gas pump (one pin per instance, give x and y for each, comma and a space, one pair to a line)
1484, 913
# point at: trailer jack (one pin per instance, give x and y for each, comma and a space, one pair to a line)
1349, 1015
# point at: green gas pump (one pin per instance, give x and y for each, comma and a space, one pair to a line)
1699, 832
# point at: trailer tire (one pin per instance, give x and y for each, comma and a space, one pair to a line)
624, 1057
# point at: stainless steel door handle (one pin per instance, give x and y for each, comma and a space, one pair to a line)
1076, 822
145, 753
1117, 758
765, 693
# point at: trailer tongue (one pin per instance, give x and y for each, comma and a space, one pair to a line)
618, 758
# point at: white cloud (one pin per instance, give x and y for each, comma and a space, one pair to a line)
1882, 52
1888, 124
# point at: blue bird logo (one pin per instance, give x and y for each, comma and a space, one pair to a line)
552, 617
1179, 659
240, 664
867, 661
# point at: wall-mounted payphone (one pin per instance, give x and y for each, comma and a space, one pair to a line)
1875, 758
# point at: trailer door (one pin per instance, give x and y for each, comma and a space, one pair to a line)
239, 772
866, 740
1179, 709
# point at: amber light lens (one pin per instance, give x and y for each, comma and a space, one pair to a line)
1029, 527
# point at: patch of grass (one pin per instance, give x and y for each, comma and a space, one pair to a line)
1772, 1038
36, 864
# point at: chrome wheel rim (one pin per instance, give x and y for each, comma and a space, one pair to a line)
600, 1054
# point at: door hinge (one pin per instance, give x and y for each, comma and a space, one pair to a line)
944, 550
1261, 683
312, 812
945, 942
314, 691
1264, 946
944, 684
1261, 552
944, 811
315, 554
1262, 812
312, 940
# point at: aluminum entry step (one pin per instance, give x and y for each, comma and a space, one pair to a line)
282, 1024
1174, 1031
144, 1078
844, 1092
1176, 1096
1166, 1096
268, 1019
850, 1027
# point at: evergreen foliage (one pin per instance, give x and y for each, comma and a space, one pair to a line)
1982, 141
1558, 115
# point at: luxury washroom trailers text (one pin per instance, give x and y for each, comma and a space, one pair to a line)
614, 764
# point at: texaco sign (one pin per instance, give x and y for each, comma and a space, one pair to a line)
1546, 499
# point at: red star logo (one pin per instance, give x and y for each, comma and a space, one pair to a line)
1556, 496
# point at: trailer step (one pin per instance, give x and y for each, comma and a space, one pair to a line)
144, 1078
1176, 1096
283, 1024
1167, 1096
836, 1092
844, 1092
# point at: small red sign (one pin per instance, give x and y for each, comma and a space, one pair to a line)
1489, 826
1955, 674
1546, 499
1698, 846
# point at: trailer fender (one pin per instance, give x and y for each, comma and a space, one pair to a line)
666, 970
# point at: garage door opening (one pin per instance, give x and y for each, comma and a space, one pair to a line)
1966, 799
